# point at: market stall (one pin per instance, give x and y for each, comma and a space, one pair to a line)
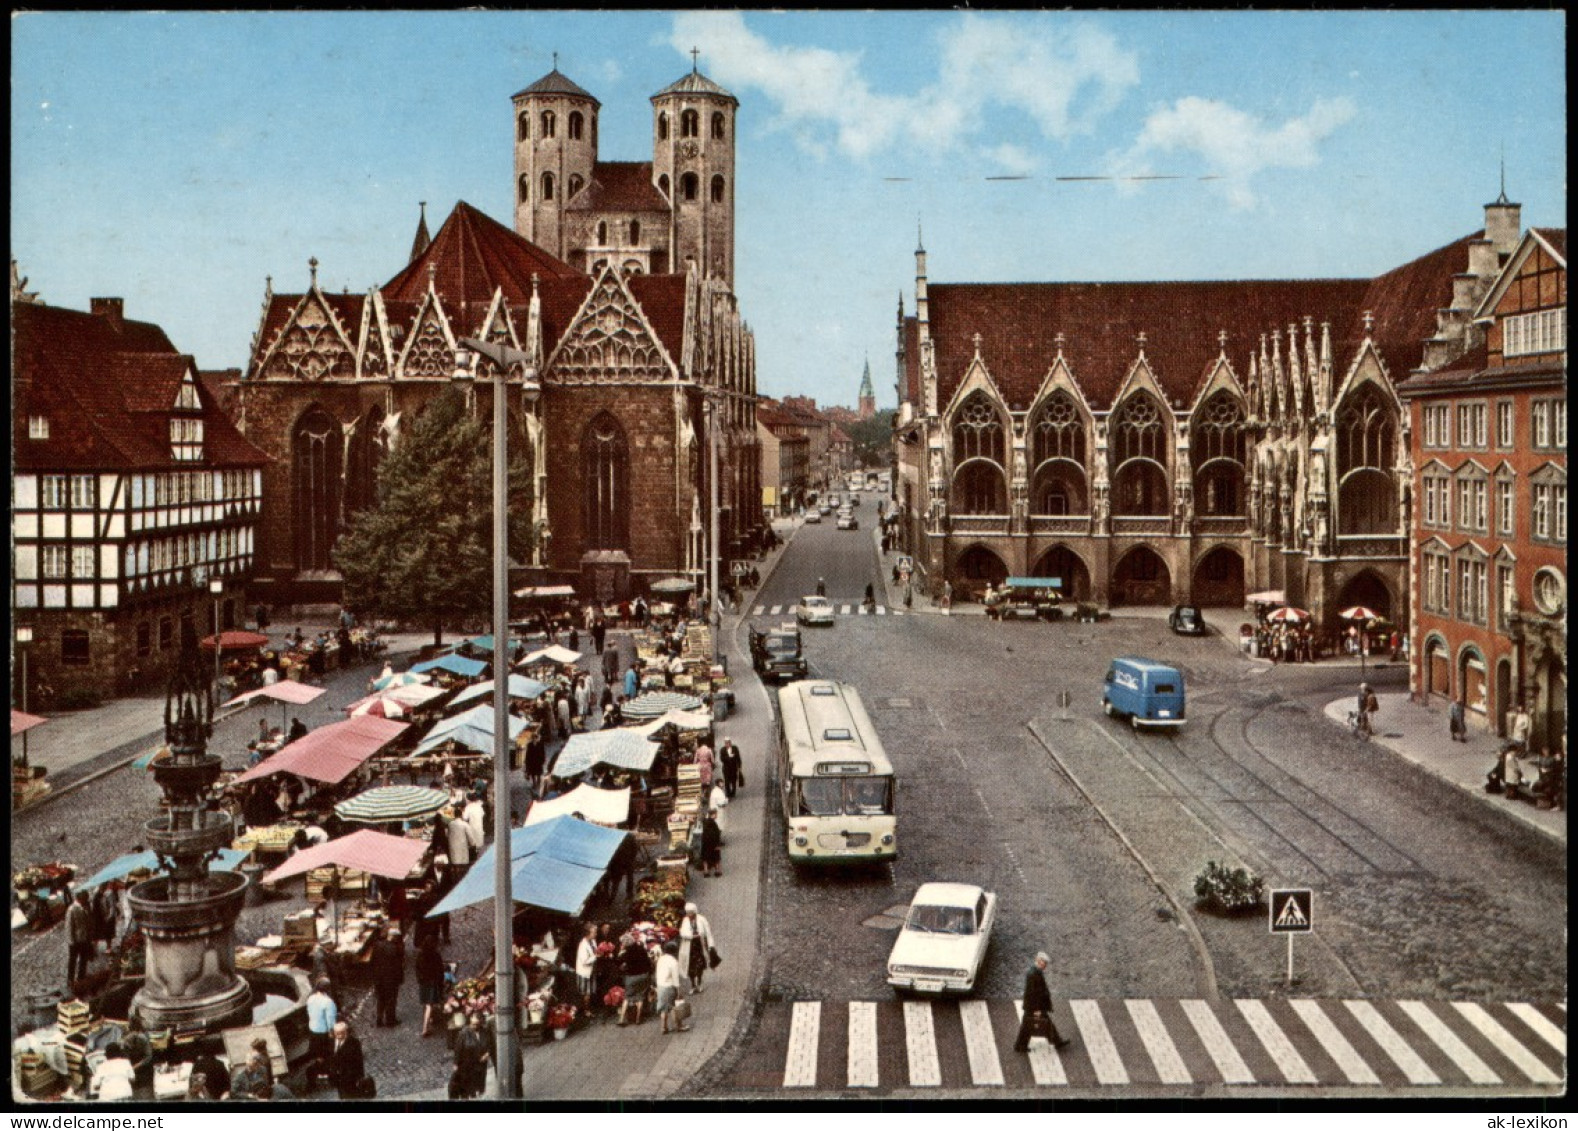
286, 693
27, 781
607, 807
452, 665
518, 688
397, 702
471, 731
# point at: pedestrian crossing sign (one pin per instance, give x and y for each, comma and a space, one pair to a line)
1292, 910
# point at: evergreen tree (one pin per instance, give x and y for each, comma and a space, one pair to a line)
423, 553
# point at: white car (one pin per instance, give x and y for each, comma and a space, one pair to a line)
943, 942
847, 520
813, 516
814, 610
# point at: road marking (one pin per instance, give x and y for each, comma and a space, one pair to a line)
985, 1068
804, 1028
1164, 1054
776, 609
1045, 1065
843, 610
920, 1039
1413, 1066
1508, 1045
760, 609
1276, 1042
1448, 1042
862, 1044
1331, 1038
1541, 1024
882, 610
1103, 1053
1217, 1042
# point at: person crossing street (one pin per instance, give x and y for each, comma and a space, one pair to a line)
1037, 1019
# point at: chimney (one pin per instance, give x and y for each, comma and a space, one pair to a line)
1482, 259
1503, 224
112, 310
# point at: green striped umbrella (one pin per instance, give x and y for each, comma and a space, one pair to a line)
655, 703
386, 803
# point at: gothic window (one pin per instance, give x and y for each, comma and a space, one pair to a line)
1057, 453
576, 181
977, 432
662, 184
662, 127
978, 488
689, 124
575, 125
523, 127
635, 233
605, 478
717, 126
547, 123
1138, 447
717, 190
1218, 451
547, 186
525, 187
1367, 497
688, 185
602, 232
369, 446
315, 466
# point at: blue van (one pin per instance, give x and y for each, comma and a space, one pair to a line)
1150, 693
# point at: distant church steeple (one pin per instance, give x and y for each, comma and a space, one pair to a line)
419, 244
868, 397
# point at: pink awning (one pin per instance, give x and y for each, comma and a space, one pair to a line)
363, 851
286, 691
234, 640
330, 753
21, 721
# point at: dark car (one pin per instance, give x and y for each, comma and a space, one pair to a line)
1186, 620
776, 653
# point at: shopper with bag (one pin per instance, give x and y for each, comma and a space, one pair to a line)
1037, 1020
695, 930
730, 763
668, 987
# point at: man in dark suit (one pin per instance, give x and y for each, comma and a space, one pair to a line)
1038, 1002
388, 971
345, 1062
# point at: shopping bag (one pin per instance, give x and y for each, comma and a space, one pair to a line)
682, 1011
714, 959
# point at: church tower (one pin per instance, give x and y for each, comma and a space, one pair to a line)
693, 167
868, 396
555, 151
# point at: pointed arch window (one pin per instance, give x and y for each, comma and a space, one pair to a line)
576, 125
605, 483
977, 432
548, 123
316, 480
369, 445
1138, 447
547, 186
1218, 449
1366, 443
717, 125
635, 233
523, 127
689, 124
1057, 455
717, 189
662, 127
688, 185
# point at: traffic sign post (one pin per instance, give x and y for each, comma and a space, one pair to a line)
1292, 913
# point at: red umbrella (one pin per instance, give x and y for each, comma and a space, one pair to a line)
1287, 614
20, 721
234, 640
1359, 612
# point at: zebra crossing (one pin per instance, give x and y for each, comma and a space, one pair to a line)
849, 609
1516, 1047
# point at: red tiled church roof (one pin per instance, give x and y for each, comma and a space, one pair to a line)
471, 256
1556, 237
1403, 303
662, 299
619, 186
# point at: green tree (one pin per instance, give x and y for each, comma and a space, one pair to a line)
423, 553
873, 439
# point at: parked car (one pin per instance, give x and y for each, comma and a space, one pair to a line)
1186, 620
826, 508
776, 653
942, 945
814, 610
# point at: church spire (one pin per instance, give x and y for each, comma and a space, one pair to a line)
422, 240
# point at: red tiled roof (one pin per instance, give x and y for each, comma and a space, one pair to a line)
472, 255
772, 417
1404, 302
662, 299
1556, 237
107, 389
619, 186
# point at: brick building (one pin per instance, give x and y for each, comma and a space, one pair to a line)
1157, 443
786, 458
131, 490
1489, 529
629, 353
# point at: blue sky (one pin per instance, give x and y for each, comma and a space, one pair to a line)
178, 159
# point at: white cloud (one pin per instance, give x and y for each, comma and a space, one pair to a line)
1062, 82
1232, 144
1013, 159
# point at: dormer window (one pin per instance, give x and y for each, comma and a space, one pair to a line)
187, 398
186, 438
38, 428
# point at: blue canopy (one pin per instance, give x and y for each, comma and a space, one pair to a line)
485, 643
473, 729
459, 665
554, 865
519, 687
1034, 583
622, 747
149, 861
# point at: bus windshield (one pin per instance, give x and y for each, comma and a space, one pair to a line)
829, 797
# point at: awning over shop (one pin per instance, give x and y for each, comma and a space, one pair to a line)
599, 806
680, 720
485, 643
473, 730
365, 850
622, 747
331, 753
518, 687
457, 665
1267, 597
546, 591
234, 640
149, 862
285, 691
1034, 583
553, 654
554, 865
655, 703
21, 721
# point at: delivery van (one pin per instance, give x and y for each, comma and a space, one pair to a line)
1149, 693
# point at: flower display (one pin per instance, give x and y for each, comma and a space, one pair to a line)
615, 997
561, 1016
473, 995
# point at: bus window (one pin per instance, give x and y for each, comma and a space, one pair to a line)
821, 797
868, 796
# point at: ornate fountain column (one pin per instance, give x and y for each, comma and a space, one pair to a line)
189, 916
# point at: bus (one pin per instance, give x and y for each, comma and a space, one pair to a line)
836, 783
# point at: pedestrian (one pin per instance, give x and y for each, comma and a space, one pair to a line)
462, 839
1521, 726
346, 1070
610, 664
574, 641
1037, 1009
586, 965
1367, 705
79, 938
475, 815
1455, 722
387, 966
704, 766
583, 699
667, 977
632, 682
711, 847
909, 595
262, 618
429, 978
697, 931
471, 1061
947, 594
599, 633
298, 729
733, 767
536, 761
561, 708
254, 1079
635, 966
322, 1013
106, 915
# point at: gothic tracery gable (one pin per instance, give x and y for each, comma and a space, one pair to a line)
610, 341
430, 347
373, 355
311, 347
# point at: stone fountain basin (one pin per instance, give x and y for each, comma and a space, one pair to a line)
279, 997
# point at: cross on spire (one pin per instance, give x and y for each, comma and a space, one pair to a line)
695, 52
1140, 337
1369, 321
312, 265
1059, 340
1221, 340
556, 60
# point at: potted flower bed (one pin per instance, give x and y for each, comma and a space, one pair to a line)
1228, 891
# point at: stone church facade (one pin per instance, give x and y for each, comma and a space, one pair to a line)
1162, 443
632, 361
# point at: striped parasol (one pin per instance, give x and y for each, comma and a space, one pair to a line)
1287, 614
1359, 612
656, 703
392, 803
400, 679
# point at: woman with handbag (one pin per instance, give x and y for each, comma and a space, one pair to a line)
695, 930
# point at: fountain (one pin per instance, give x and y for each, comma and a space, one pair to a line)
188, 916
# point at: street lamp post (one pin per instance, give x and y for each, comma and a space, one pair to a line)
216, 587
712, 444
24, 637
503, 898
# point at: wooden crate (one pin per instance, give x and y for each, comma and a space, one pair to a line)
238, 1043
